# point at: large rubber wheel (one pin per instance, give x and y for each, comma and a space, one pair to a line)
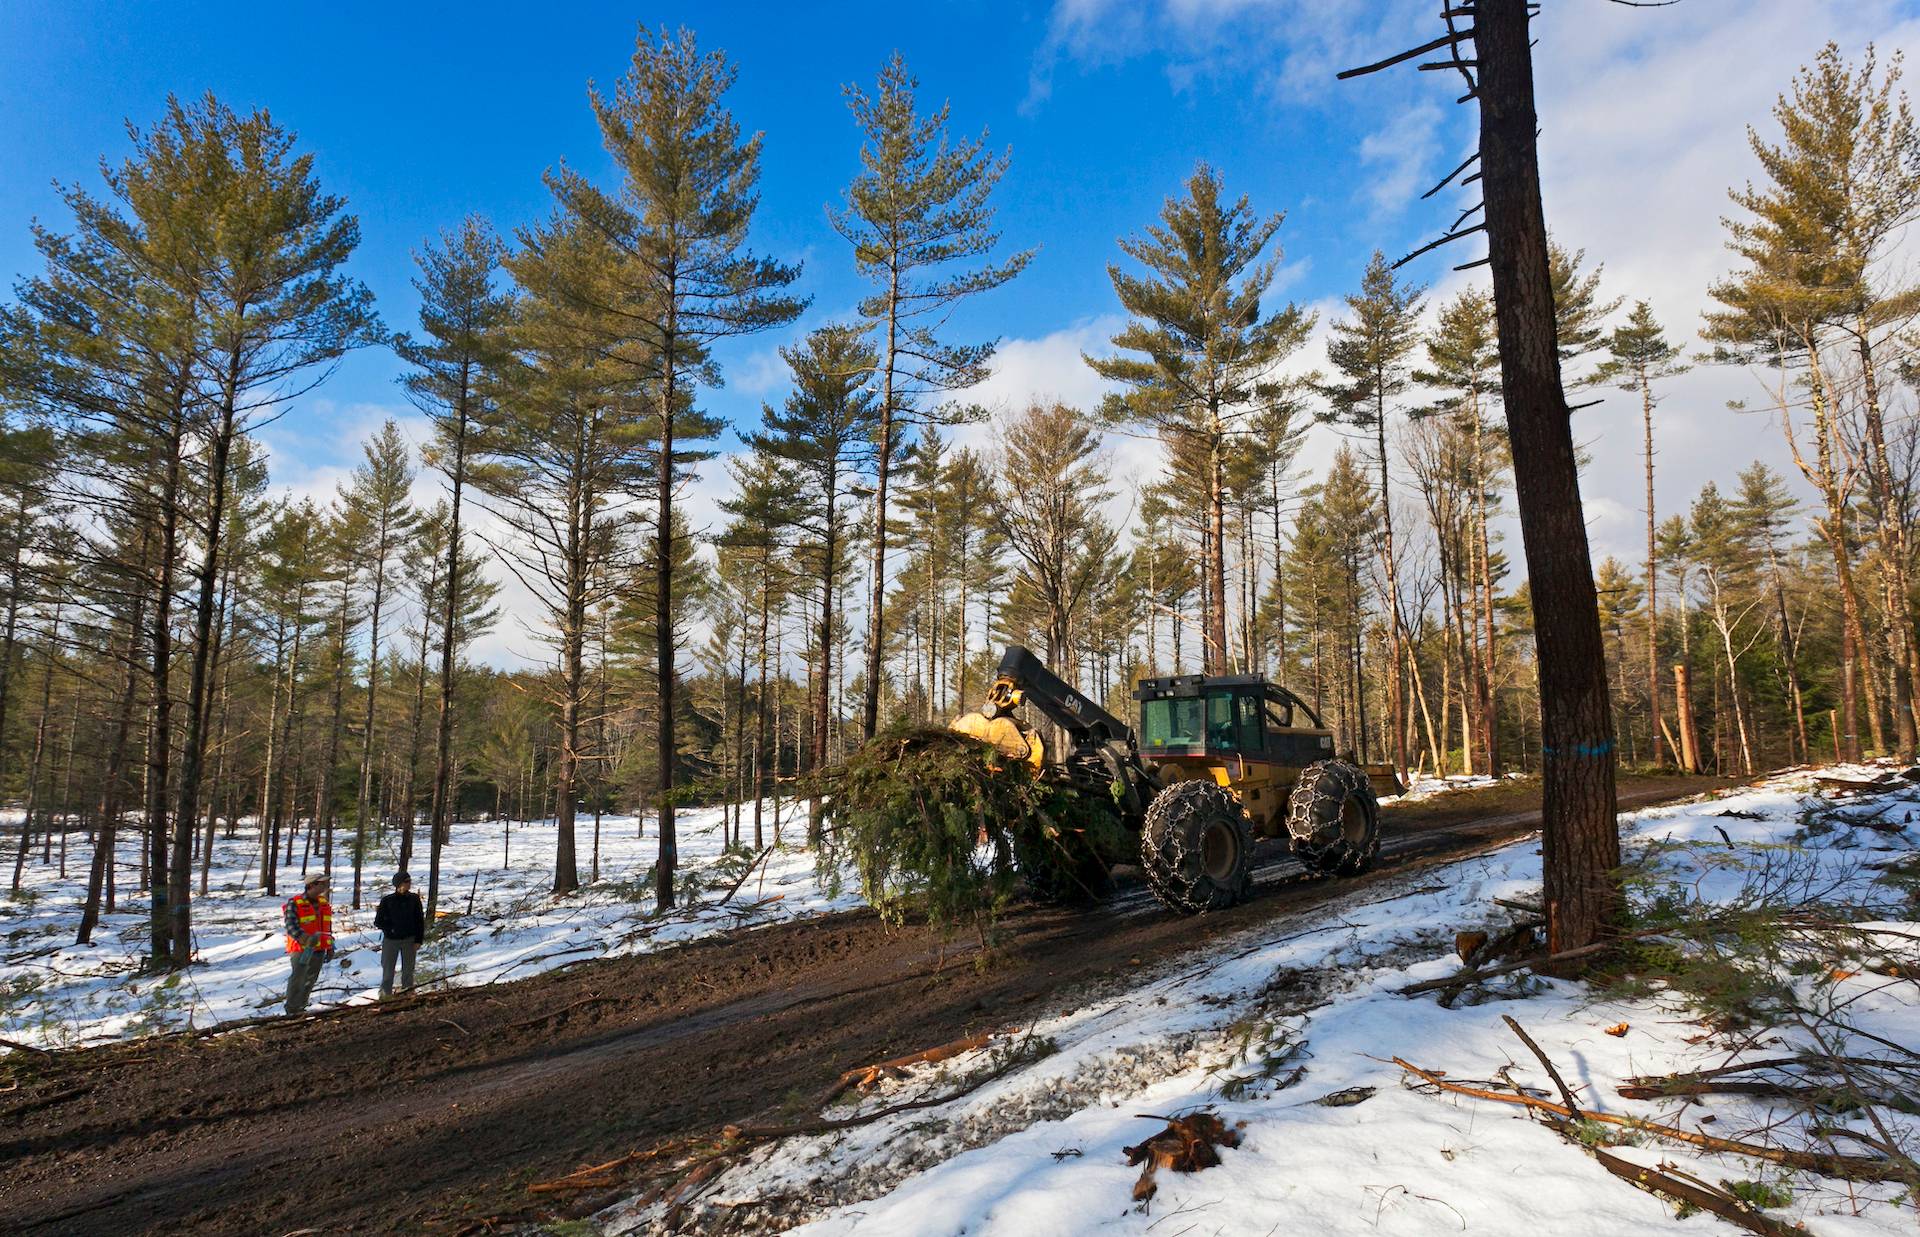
1196, 848
1334, 819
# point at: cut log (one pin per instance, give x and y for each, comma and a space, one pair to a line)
863, 1078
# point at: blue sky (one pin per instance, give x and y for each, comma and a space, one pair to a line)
419, 114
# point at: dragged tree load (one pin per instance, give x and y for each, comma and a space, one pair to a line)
939, 824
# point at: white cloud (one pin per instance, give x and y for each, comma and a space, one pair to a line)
1644, 116
1050, 367
1399, 154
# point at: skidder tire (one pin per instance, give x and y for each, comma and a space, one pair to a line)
1196, 848
1334, 819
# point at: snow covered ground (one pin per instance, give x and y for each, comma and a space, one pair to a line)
54, 993
1426, 785
1290, 1032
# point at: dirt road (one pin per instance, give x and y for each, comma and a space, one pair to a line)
436, 1113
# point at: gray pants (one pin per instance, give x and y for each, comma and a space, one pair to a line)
399, 949
301, 976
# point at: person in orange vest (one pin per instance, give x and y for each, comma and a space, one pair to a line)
308, 917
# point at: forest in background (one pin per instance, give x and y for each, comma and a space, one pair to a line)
181, 649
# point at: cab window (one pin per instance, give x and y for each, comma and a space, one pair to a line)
1223, 734
1171, 723
1247, 707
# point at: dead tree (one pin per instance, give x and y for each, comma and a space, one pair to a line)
1493, 55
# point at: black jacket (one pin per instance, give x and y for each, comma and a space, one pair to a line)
402, 917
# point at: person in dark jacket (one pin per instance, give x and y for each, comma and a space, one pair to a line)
403, 924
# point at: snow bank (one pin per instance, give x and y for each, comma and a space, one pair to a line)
54, 993
1268, 1025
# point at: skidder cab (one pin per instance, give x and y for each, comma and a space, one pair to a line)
1219, 760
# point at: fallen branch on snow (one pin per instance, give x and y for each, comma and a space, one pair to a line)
1847, 1167
1699, 1194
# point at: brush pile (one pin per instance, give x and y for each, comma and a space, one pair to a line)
938, 825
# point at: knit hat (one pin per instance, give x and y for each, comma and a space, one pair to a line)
318, 878
401, 878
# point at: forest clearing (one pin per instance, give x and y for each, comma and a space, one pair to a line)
990, 620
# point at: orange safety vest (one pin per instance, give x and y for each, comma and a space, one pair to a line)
314, 917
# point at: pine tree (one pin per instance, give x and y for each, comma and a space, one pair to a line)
279, 310
118, 321
824, 434
1206, 357
1053, 521
1838, 186
1719, 543
920, 219
1370, 353
563, 456
1464, 355
756, 542
684, 281
1847, 173
453, 368
1639, 354
1579, 313
1581, 828
378, 495
424, 571
1765, 509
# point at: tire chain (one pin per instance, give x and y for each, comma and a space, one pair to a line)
1313, 819
1171, 854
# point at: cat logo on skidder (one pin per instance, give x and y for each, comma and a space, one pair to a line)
1219, 760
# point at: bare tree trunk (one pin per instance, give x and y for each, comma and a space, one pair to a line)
444, 788
39, 753
1895, 555
325, 784
1485, 662
193, 750
663, 629
100, 874
822, 720
573, 686
1653, 579
870, 715
367, 714
1396, 695
1216, 554
160, 735
224, 634
1683, 705
760, 713
1835, 532
1582, 840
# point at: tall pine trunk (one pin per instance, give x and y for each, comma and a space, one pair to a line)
193, 752
1653, 578
1582, 839
663, 626
438, 825
883, 464
100, 874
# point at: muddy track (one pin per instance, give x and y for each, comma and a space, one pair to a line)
435, 1113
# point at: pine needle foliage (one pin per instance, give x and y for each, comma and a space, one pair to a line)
936, 825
